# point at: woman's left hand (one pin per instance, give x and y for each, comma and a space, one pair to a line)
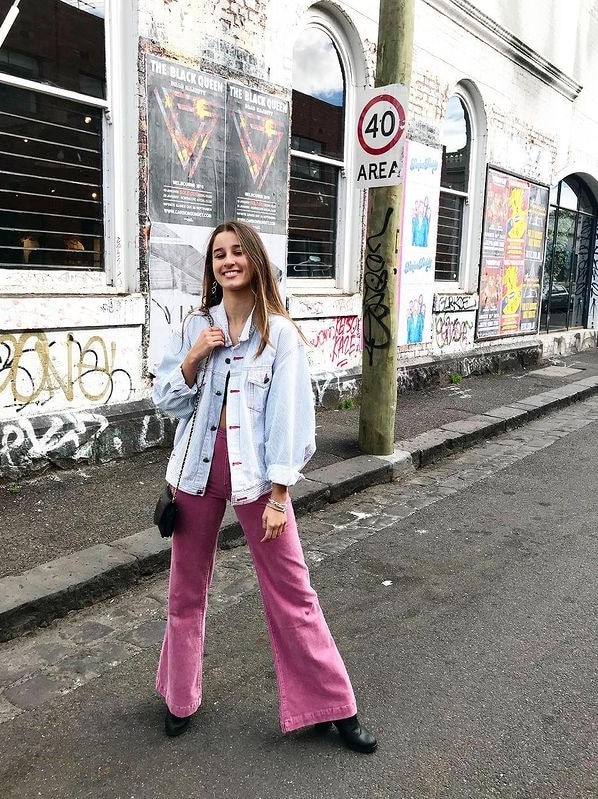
273, 522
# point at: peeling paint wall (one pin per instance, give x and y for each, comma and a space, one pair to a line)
242, 37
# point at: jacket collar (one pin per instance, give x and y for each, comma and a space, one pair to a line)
221, 320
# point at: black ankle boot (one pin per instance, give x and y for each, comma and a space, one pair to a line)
353, 734
175, 725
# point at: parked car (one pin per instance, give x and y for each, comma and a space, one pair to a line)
559, 298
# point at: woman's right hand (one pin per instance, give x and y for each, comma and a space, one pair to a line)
208, 340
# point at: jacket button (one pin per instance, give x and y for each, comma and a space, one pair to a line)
213, 427
206, 460
227, 360
219, 393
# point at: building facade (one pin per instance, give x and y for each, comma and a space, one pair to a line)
132, 127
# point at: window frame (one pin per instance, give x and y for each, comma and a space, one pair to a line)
119, 151
471, 228
349, 204
338, 166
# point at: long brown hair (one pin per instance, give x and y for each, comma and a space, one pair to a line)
263, 283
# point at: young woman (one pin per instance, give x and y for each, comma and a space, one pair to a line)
253, 432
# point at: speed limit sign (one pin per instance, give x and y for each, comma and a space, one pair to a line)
381, 124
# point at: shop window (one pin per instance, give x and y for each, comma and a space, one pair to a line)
568, 265
52, 104
454, 189
317, 156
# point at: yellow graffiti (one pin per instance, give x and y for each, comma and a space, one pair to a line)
512, 291
28, 366
518, 219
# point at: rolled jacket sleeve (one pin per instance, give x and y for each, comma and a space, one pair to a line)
170, 391
290, 415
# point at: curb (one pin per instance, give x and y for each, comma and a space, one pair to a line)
39, 595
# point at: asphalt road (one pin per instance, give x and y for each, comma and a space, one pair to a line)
467, 615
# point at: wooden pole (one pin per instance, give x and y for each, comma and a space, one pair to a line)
380, 279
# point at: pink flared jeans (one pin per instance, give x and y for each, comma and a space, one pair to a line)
313, 684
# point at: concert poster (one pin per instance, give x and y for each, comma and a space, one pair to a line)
216, 151
513, 241
186, 135
257, 134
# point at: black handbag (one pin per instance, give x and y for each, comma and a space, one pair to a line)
165, 512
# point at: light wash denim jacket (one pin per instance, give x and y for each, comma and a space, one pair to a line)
270, 415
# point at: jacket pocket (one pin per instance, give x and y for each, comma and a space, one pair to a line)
258, 383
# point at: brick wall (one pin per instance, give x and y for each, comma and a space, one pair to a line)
238, 35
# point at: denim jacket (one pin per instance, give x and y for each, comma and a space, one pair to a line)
270, 419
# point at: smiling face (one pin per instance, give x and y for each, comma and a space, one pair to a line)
231, 266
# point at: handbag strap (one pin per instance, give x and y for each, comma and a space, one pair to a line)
195, 407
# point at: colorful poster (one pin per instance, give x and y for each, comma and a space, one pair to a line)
512, 289
514, 231
418, 242
534, 257
415, 315
490, 297
257, 158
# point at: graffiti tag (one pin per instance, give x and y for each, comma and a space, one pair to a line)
454, 303
376, 334
453, 331
34, 368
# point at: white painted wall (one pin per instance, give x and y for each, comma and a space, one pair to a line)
542, 119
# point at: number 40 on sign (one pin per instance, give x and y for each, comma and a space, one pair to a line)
381, 124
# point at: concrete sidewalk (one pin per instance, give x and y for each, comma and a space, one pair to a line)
70, 539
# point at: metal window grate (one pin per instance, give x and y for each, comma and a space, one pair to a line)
51, 207
448, 242
313, 199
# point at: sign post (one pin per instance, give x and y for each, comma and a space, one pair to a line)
380, 136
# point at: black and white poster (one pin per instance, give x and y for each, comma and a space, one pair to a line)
186, 134
257, 133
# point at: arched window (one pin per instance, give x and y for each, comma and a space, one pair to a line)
455, 183
569, 255
317, 155
325, 208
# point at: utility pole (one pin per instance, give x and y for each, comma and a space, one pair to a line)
380, 278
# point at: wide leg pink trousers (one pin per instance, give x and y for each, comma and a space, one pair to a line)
313, 683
